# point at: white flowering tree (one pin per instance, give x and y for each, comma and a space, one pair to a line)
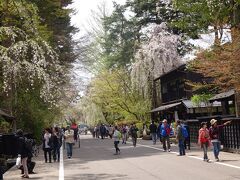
155, 57
31, 60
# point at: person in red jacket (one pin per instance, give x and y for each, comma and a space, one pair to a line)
214, 132
204, 140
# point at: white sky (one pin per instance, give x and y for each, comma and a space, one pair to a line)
80, 20
83, 10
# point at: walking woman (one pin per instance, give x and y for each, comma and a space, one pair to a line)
204, 140
116, 137
57, 143
47, 145
23, 152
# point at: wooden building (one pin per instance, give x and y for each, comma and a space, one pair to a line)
172, 100
172, 94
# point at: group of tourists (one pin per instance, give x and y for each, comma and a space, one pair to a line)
163, 131
52, 142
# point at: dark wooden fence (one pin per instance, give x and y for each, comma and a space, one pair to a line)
230, 136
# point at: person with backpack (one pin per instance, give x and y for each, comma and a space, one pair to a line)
23, 152
116, 137
153, 132
165, 131
47, 145
204, 140
133, 131
57, 143
187, 141
124, 134
214, 132
180, 136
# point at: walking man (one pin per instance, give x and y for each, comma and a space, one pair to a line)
69, 140
180, 138
214, 132
103, 131
47, 145
153, 131
165, 131
133, 132
124, 134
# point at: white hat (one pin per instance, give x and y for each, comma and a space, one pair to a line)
213, 121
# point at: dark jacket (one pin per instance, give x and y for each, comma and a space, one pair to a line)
102, 129
179, 133
22, 150
215, 132
153, 128
56, 140
133, 131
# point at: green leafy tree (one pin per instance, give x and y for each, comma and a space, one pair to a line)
113, 92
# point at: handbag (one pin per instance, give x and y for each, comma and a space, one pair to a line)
18, 162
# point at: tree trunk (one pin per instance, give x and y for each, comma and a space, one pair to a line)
237, 103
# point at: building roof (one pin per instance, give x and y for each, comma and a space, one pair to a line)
222, 96
187, 103
182, 66
164, 107
190, 105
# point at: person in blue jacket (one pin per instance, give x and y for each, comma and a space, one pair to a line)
165, 131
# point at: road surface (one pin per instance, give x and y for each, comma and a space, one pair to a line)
95, 161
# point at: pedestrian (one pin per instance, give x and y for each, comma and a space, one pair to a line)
57, 143
153, 132
214, 132
204, 140
98, 131
94, 132
159, 131
102, 131
69, 140
111, 131
30, 165
116, 137
165, 131
23, 152
47, 145
180, 138
187, 142
133, 131
124, 134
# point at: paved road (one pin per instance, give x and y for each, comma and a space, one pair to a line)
95, 161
